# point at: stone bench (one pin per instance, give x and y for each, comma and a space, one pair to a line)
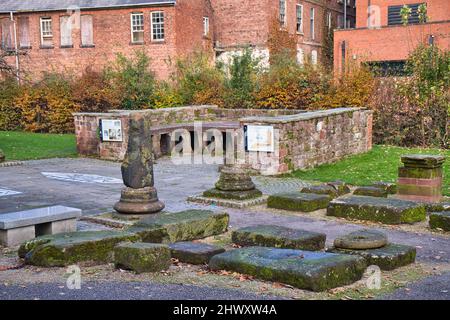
21, 226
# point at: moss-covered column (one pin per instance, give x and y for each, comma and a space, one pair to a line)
420, 178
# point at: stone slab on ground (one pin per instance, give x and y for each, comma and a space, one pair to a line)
194, 252
423, 160
371, 192
440, 220
232, 195
181, 226
67, 248
316, 271
321, 189
384, 210
297, 201
278, 237
341, 187
391, 188
361, 240
142, 257
237, 204
389, 257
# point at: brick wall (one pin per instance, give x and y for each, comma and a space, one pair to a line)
112, 35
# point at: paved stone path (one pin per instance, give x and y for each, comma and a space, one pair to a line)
175, 184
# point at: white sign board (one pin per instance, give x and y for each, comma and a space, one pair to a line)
260, 138
111, 130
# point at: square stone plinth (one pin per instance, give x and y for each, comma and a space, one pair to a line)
228, 203
279, 237
297, 201
423, 160
371, 192
142, 257
384, 210
181, 226
440, 220
389, 257
194, 252
317, 271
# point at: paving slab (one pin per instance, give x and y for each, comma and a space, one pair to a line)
321, 189
388, 211
440, 220
181, 226
194, 252
297, 201
389, 257
142, 257
316, 271
371, 192
279, 237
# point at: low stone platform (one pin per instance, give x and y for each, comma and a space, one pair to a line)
371, 192
180, 226
68, 248
321, 189
228, 203
296, 201
440, 220
232, 195
278, 237
389, 257
389, 187
316, 271
384, 210
142, 257
194, 252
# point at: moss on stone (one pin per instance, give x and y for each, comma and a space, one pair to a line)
371, 192
388, 211
440, 220
232, 195
142, 257
296, 201
194, 252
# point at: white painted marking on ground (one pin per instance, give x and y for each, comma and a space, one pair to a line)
82, 178
8, 192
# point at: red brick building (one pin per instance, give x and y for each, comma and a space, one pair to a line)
247, 22
69, 35
73, 34
380, 38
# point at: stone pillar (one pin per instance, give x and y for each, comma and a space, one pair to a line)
420, 178
139, 195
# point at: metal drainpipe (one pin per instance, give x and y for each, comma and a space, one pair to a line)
345, 14
16, 48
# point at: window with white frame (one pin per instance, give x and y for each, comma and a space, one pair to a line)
299, 18
137, 27
205, 26
87, 31
311, 28
283, 13
65, 25
157, 26
46, 32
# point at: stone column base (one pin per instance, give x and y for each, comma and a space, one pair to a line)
139, 201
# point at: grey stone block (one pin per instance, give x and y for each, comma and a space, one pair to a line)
17, 236
194, 252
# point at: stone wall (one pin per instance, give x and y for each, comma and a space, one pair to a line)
313, 138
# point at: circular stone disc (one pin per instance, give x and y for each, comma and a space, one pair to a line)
363, 239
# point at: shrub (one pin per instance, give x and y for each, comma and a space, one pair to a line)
166, 96
9, 114
132, 80
198, 80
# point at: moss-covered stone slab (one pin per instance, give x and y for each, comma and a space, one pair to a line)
316, 271
229, 203
297, 201
181, 226
389, 257
67, 248
391, 188
341, 187
384, 210
194, 252
423, 160
321, 189
361, 239
371, 192
278, 237
142, 257
440, 220
233, 195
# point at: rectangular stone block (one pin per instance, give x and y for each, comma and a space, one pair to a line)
420, 173
194, 252
296, 201
409, 189
142, 257
14, 237
278, 237
316, 271
384, 210
440, 220
389, 257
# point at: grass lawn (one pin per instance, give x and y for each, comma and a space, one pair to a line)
380, 164
28, 146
